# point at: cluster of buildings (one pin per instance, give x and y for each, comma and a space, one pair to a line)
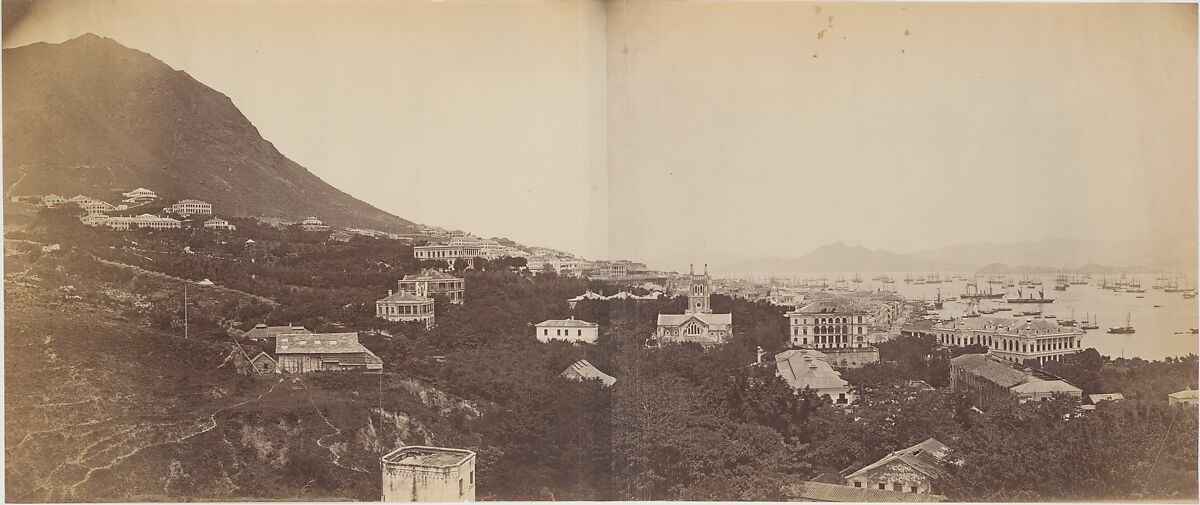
413, 298
623, 295
98, 212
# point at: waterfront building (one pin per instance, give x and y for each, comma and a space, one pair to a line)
987, 378
567, 330
188, 207
583, 370
430, 282
915, 470
1188, 397
419, 473
1012, 339
806, 368
405, 307
315, 352
826, 325
217, 223
697, 324
313, 224
448, 253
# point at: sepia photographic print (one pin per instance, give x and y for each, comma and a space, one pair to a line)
599, 250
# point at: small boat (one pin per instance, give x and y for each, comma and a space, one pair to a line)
1194, 331
1051, 316
1139, 296
1122, 330
1189, 295
1158, 306
1086, 325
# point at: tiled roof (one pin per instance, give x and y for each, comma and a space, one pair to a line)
319, 343
403, 297
807, 368
583, 370
708, 319
823, 492
1007, 325
567, 323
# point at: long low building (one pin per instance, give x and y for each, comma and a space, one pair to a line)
1012, 339
806, 368
567, 330
315, 352
987, 378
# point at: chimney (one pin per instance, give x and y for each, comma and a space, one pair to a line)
759, 352
389, 292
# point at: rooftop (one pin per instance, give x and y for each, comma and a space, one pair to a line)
823, 307
419, 455
1011, 375
318, 343
567, 323
429, 274
807, 368
706, 318
584, 370
403, 297
1006, 324
1187, 394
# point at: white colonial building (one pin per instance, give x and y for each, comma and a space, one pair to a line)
1012, 339
313, 224
143, 221
431, 282
217, 223
697, 324
139, 195
53, 200
448, 253
188, 207
405, 307
568, 330
827, 325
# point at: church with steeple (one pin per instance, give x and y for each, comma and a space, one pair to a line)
697, 324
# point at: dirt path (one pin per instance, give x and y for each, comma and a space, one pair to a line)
337, 458
161, 275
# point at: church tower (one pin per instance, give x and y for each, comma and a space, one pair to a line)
699, 289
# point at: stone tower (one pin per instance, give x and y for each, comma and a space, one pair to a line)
699, 289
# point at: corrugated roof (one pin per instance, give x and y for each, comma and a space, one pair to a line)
318, 343
263, 331
824, 492
567, 323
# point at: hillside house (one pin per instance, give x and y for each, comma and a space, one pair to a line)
583, 370
143, 221
807, 368
188, 207
313, 224
139, 196
567, 330
429, 282
53, 200
314, 352
1187, 397
339, 236
94, 219
987, 378
217, 223
405, 307
919, 469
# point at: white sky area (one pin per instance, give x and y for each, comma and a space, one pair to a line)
677, 131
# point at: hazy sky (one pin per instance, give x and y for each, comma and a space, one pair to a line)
727, 128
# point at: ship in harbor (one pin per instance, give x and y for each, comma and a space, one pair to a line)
1122, 330
977, 294
1041, 298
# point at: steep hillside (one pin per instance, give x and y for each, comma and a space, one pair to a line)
90, 116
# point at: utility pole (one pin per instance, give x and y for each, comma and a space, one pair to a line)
185, 321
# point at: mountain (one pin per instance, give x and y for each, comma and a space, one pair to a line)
1157, 252
90, 116
839, 257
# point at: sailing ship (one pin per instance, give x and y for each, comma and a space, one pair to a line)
1086, 325
1122, 330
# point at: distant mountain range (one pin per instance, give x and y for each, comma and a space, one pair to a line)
839, 257
90, 116
1163, 253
